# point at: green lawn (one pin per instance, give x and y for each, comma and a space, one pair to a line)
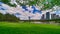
26, 28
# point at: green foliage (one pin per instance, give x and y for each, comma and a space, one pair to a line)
27, 2
47, 6
56, 2
32, 2
12, 5
8, 3
1, 17
8, 17
5, 1
50, 4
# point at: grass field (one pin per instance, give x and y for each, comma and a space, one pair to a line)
26, 28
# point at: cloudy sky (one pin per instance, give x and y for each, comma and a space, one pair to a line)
24, 12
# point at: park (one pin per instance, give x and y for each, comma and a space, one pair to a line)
29, 17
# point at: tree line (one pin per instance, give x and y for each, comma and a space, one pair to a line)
9, 18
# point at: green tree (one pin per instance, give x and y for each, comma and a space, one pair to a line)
11, 18
1, 17
8, 17
48, 4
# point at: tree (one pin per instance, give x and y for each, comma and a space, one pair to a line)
1, 17
47, 4
11, 18
8, 17
5, 1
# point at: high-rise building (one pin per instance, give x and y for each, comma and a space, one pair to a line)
42, 17
47, 15
53, 16
57, 17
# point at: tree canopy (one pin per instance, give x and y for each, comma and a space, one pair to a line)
47, 3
